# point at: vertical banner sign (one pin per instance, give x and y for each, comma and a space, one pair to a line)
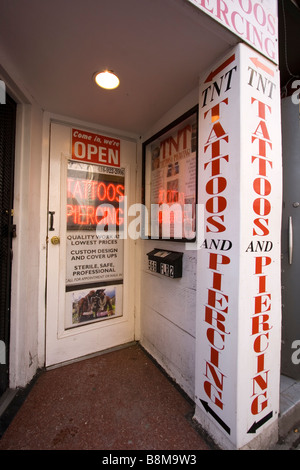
254, 21
95, 220
238, 313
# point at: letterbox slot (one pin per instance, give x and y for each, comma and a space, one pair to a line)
165, 262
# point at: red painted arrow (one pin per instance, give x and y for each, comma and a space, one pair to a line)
262, 66
212, 74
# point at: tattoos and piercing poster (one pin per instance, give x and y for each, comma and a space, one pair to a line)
94, 245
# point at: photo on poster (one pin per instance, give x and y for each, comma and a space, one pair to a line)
93, 304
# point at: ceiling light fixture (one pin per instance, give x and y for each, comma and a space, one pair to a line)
107, 80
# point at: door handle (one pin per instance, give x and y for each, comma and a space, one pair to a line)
55, 240
291, 240
51, 228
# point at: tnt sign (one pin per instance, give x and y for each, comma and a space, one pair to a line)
238, 299
2, 92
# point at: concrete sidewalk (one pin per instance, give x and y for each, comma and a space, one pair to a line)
289, 420
291, 441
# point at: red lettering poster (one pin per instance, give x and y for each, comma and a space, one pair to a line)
254, 21
170, 170
94, 247
238, 292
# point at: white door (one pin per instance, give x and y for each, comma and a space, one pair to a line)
90, 271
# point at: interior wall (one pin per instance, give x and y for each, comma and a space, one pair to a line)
168, 306
25, 289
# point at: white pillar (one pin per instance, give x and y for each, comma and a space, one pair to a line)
238, 284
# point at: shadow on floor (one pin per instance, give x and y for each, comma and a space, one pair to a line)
119, 400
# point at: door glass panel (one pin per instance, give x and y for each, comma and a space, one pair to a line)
94, 243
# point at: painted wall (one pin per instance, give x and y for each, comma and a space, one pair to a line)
27, 246
168, 306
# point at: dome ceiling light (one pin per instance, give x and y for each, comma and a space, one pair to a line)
107, 79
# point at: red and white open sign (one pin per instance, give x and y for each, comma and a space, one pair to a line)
95, 148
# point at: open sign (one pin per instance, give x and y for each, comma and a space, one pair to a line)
95, 148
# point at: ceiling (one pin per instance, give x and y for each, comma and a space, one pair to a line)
158, 48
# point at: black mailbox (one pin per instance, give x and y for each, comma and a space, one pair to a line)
167, 263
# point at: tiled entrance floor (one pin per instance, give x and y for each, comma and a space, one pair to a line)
115, 401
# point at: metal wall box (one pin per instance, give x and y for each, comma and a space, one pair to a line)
165, 262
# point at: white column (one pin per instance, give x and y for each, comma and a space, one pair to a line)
238, 282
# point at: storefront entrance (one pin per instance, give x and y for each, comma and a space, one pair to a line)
90, 281
7, 145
